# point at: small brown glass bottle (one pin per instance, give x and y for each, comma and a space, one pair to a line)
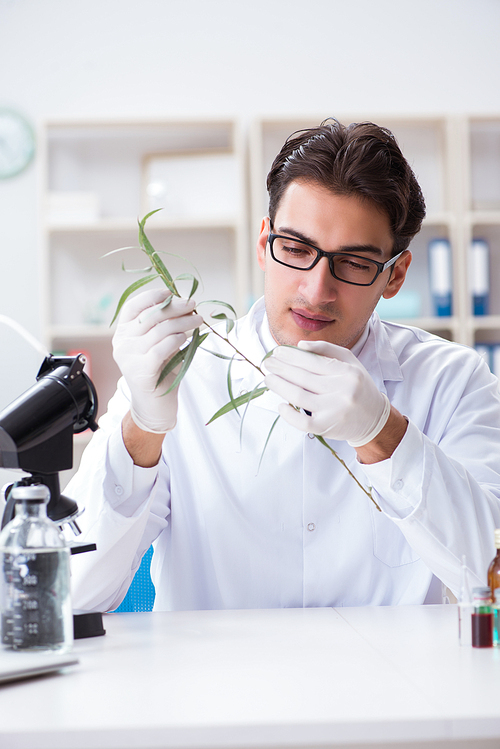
482, 619
494, 568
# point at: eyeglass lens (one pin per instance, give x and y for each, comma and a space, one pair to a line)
302, 256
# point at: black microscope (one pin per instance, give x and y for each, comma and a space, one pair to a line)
36, 435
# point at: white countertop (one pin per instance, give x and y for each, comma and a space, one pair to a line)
262, 678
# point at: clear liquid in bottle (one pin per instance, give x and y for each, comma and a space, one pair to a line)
36, 612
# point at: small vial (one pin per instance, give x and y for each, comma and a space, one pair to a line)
496, 618
494, 568
482, 618
465, 608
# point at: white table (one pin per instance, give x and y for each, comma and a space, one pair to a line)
270, 678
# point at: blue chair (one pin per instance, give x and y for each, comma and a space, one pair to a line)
141, 593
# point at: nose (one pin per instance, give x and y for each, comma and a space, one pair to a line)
318, 286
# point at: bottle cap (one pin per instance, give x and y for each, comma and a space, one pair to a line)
497, 538
481, 594
35, 492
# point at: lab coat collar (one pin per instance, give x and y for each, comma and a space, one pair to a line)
377, 355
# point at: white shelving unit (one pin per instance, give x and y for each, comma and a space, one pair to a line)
98, 178
481, 207
457, 163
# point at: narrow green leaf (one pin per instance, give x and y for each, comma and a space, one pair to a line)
137, 270
229, 321
194, 287
189, 277
246, 409
222, 356
195, 273
269, 353
239, 401
130, 290
267, 441
143, 239
172, 364
120, 249
195, 342
167, 302
144, 242
221, 304
150, 251
148, 215
162, 271
230, 385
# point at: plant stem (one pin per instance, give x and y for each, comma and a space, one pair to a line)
234, 348
368, 492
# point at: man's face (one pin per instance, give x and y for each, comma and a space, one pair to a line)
313, 305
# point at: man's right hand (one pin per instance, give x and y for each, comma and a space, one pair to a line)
147, 336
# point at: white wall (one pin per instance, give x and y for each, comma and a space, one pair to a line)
243, 58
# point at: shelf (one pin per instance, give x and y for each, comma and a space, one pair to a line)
98, 182
486, 322
446, 327
445, 218
91, 332
483, 217
483, 148
104, 225
103, 168
431, 323
131, 225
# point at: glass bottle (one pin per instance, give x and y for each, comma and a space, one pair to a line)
35, 602
482, 618
496, 618
465, 608
494, 568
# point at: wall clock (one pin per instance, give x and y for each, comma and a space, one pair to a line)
17, 143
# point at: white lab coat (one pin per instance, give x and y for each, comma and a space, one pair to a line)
297, 531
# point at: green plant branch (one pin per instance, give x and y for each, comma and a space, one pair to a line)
184, 357
256, 366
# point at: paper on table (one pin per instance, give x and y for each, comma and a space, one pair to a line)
15, 665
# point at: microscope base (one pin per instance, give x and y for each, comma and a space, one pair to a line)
87, 625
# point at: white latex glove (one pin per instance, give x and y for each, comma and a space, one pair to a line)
148, 336
334, 387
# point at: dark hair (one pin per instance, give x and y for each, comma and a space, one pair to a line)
360, 159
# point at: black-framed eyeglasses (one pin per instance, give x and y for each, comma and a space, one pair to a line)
344, 266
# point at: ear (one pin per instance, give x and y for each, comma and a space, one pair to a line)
262, 243
398, 275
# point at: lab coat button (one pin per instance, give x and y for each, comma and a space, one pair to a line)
311, 527
399, 484
311, 436
118, 490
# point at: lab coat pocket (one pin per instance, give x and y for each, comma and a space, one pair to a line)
389, 544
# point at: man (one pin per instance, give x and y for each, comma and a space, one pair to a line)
415, 418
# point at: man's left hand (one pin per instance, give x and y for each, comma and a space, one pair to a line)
330, 383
